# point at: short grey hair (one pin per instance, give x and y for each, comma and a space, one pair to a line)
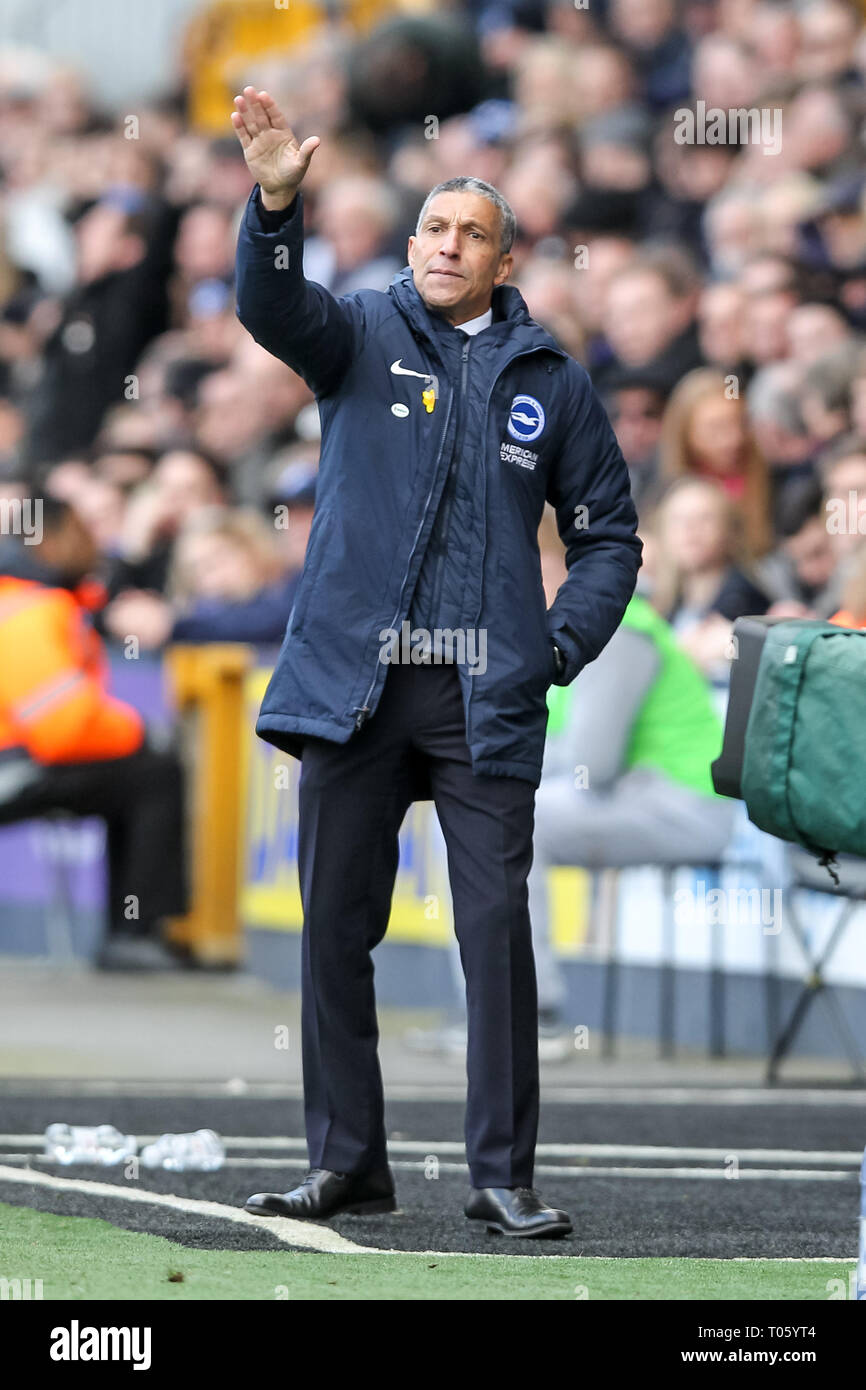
466, 184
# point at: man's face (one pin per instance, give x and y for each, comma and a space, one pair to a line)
720, 320
456, 256
811, 553
70, 549
636, 416
641, 316
104, 245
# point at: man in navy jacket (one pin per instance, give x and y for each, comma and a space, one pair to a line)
419, 650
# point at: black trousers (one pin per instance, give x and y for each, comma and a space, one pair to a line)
352, 800
140, 798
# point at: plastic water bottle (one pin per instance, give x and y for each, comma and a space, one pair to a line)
861, 1263
101, 1144
199, 1152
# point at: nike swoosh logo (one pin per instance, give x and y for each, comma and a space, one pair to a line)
404, 371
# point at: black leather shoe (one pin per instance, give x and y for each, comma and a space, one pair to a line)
323, 1194
516, 1211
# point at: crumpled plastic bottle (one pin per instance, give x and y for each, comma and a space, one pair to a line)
102, 1144
201, 1151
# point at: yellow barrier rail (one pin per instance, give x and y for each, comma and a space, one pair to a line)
208, 684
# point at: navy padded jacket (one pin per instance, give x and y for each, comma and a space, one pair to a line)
532, 429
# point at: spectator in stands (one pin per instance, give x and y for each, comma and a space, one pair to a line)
826, 396
819, 129
649, 317
183, 481
702, 580
765, 325
67, 745
774, 401
815, 330
356, 220
101, 505
117, 307
857, 400
720, 329
731, 229
800, 570
658, 47
844, 479
853, 610
228, 586
413, 65
828, 32
834, 243
775, 35
247, 411
635, 400
705, 433
124, 468
601, 257
225, 585
203, 256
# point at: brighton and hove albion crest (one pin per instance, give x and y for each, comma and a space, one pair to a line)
526, 419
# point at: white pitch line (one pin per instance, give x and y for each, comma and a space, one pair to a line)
761, 1174
304, 1234
587, 1171
453, 1146
557, 1170
600, 1094
658, 1151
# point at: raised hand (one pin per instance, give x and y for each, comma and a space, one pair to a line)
274, 158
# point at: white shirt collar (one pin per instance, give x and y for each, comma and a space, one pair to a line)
473, 326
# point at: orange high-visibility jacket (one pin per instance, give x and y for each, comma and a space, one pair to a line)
53, 697
845, 619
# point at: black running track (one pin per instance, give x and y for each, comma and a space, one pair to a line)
616, 1215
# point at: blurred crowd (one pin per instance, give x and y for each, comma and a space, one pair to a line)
716, 292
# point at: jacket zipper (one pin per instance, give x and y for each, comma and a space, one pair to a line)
452, 473
362, 712
528, 352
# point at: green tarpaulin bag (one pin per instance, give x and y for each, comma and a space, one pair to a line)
804, 767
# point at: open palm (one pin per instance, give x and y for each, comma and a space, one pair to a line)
274, 157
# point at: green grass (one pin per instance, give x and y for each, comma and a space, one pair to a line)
81, 1258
